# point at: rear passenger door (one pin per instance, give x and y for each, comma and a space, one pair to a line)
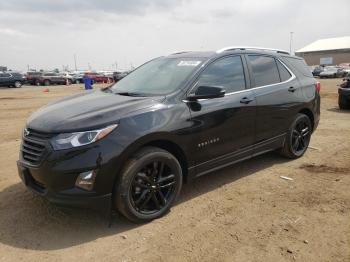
278, 95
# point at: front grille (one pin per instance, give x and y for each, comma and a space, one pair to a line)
34, 146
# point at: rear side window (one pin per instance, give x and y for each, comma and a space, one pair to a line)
300, 65
227, 72
265, 70
284, 73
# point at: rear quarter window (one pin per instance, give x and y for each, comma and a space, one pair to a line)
284, 73
300, 65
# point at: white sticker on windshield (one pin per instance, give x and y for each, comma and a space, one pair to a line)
189, 63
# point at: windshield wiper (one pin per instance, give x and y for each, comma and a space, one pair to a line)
129, 94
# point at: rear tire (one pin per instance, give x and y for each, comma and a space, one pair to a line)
17, 84
343, 103
148, 185
298, 137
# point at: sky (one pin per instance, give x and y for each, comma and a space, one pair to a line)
110, 34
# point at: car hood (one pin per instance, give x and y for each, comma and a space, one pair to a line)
86, 111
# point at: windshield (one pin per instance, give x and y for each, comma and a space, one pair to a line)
158, 77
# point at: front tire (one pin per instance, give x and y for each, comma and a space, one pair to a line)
148, 186
298, 137
47, 83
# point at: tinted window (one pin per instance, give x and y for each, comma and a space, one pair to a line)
284, 73
5, 75
264, 70
227, 73
300, 65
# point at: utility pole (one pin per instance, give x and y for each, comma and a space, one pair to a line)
290, 42
75, 62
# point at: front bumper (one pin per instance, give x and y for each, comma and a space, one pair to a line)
75, 198
55, 175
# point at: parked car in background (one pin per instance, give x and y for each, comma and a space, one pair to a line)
11, 79
132, 145
99, 78
119, 75
32, 77
346, 67
317, 70
332, 72
77, 78
344, 94
51, 78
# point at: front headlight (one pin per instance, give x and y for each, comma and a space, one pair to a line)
69, 140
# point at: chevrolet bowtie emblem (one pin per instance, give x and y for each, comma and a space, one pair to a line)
26, 132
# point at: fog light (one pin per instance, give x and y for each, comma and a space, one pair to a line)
86, 180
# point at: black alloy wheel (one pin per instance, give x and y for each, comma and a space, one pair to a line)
152, 188
298, 137
148, 185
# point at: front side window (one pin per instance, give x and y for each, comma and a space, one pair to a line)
265, 70
227, 73
158, 77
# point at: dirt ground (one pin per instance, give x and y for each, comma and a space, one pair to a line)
242, 213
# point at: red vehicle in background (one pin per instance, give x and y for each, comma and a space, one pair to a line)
99, 78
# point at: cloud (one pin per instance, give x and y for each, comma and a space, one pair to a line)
12, 32
79, 6
103, 32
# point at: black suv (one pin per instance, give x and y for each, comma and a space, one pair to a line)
11, 79
172, 119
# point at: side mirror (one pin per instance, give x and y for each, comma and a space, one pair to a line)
207, 92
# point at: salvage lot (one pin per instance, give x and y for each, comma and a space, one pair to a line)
241, 213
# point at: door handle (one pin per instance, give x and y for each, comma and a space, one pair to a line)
246, 100
292, 89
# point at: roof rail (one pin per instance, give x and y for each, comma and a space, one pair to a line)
230, 48
180, 52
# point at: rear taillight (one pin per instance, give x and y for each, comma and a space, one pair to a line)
318, 86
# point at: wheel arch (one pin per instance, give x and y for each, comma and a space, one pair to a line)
309, 114
175, 150
163, 141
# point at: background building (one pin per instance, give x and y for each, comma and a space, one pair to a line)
330, 51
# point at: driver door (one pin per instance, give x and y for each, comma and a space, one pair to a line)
224, 127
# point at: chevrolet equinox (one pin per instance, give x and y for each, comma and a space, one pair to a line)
132, 145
